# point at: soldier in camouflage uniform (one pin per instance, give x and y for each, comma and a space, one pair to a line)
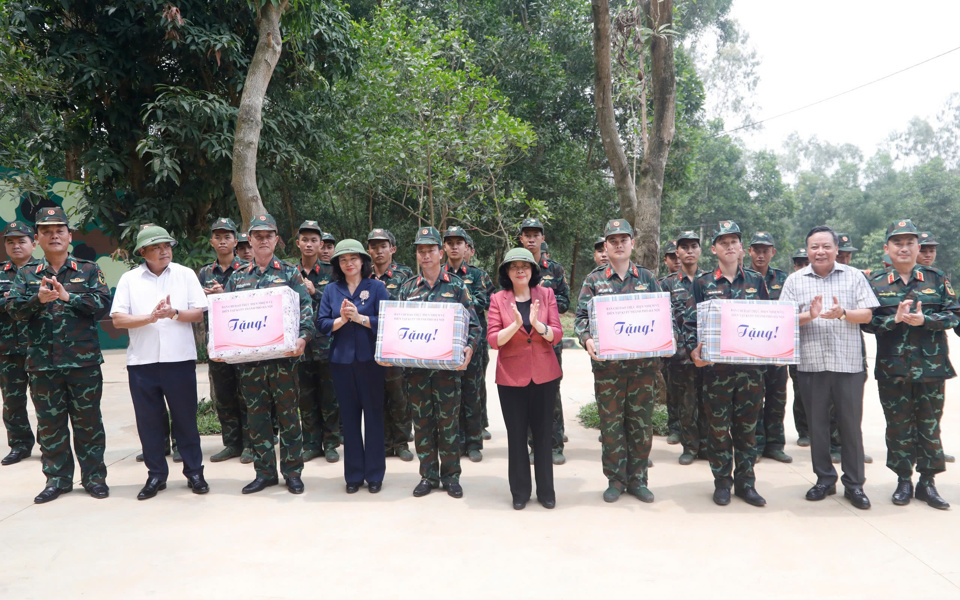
483, 348
481, 288
771, 437
319, 409
733, 393
917, 306
19, 243
328, 247
396, 412
271, 384
61, 298
600, 252
531, 236
625, 389
434, 395
664, 393
231, 409
244, 250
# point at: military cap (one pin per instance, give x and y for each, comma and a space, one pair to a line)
902, 227
455, 231
153, 234
310, 226
615, 226
393, 238
469, 239
845, 244
17, 229
52, 215
726, 228
531, 223
670, 248
800, 253
762, 238
263, 223
225, 224
689, 234
599, 242
349, 246
378, 234
242, 238
927, 239
427, 235
328, 237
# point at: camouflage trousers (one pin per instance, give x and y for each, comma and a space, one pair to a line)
434, 398
625, 393
770, 433
683, 389
396, 412
558, 428
13, 385
319, 409
666, 397
800, 415
59, 396
231, 409
733, 397
471, 409
913, 410
266, 385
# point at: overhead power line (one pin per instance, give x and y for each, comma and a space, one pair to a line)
835, 96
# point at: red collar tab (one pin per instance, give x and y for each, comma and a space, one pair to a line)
636, 273
545, 264
717, 274
608, 273
235, 266
389, 273
73, 265
919, 274
7, 266
419, 279
39, 267
891, 277
446, 277
276, 264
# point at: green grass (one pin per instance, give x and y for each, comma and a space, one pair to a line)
589, 417
207, 421
566, 321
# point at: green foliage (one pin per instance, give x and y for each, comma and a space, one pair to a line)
589, 417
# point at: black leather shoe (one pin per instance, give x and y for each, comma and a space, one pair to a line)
374, 487
453, 489
151, 488
259, 484
903, 493
928, 493
423, 488
198, 484
517, 505
548, 503
15, 456
721, 496
295, 484
750, 496
857, 498
51, 493
821, 491
353, 488
98, 490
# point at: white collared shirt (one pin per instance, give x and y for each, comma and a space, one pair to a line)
138, 293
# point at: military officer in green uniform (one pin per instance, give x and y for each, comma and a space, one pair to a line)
483, 349
269, 385
670, 261
664, 395
771, 437
531, 236
734, 393
19, 242
319, 410
244, 250
600, 252
917, 306
396, 412
434, 395
328, 247
481, 288
61, 297
625, 389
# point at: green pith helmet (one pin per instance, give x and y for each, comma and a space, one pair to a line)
520, 254
153, 234
348, 246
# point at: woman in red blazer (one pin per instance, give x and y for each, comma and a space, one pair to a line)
523, 324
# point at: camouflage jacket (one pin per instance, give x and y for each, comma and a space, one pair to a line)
320, 276
681, 300
404, 270
13, 333
774, 281
392, 279
480, 286
917, 353
212, 273
747, 285
552, 276
62, 335
276, 274
604, 281
447, 288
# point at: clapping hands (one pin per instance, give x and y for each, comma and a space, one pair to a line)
51, 289
904, 315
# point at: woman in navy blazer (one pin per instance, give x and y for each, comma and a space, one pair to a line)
523, 325
348, 312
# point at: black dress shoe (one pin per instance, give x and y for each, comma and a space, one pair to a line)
98, 490
353, 488
453, 489
750, 496
721, 496
15, 456
857, 498
295, 484
517, 505
374, 487
928, 493
821, 491
423, 488
259, 484
151, 488
903, 493
548, 503
198, 484
51, 493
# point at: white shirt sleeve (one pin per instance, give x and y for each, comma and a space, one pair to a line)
121, 298
195, 296
865, 296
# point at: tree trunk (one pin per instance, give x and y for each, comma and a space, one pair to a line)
247, 136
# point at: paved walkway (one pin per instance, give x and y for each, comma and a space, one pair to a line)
327, 544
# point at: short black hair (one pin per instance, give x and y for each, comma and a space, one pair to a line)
366, 269
504, 276
824, 229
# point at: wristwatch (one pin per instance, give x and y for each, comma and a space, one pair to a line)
176, 314
843, 317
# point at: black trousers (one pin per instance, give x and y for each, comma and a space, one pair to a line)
359, 388
153, 387
530, 407
844, 393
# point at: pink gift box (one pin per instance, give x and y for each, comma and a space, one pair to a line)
253, 325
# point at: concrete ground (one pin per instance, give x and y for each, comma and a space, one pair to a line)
328, 544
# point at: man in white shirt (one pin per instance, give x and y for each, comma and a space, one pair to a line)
156, 302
